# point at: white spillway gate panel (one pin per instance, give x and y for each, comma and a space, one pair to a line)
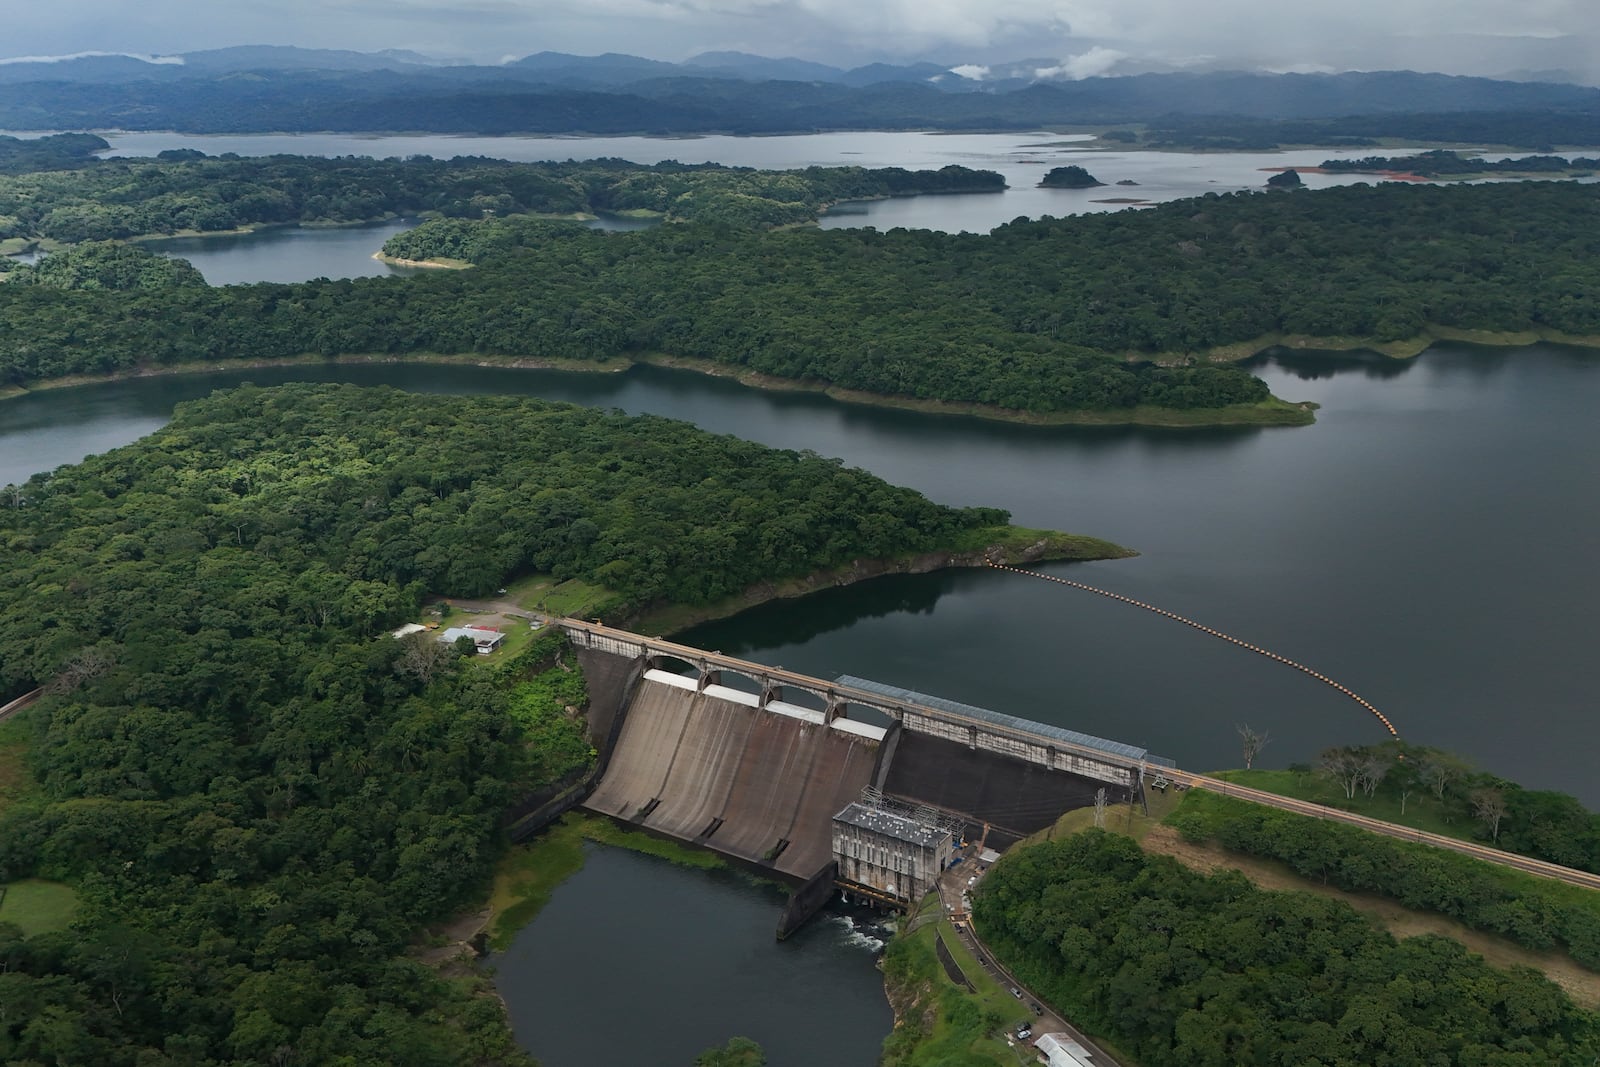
860, 729
736, 696
795, 711
668, 678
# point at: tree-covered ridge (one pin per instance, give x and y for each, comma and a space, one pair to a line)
359, 500
259, 796
474, 240
1443, 163
1536, 913
106, 265
52, 152
1188, 970
122, 198
1036, 317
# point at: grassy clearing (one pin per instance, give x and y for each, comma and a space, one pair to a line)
1422, 812
38, 906
16, 782
530, 873
573, 598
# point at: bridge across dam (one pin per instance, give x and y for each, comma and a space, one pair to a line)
758, 774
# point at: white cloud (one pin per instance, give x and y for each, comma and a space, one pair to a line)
972, 71
1466, 36
1096, 61
165, 60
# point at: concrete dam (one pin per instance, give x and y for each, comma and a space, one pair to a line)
762, 772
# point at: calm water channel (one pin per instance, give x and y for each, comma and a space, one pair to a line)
684, 965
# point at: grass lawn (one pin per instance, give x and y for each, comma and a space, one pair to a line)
1422, 812
39, 907
573, 598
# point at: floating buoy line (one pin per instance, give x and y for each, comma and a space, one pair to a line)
1286, 661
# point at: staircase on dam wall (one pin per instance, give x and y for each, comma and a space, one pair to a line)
707, 765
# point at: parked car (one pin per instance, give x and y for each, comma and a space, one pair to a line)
1016, 992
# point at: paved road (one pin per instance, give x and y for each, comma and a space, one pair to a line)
952, 886
18, 704
1388, 829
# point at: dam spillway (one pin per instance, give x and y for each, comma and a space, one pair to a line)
716, 767
770, 783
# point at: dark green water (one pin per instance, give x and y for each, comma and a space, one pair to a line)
671, 961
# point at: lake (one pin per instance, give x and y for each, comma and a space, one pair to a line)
1426, 543
293, 254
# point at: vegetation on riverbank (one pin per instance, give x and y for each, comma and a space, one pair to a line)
974, 548
1195, 970
528, 874
937, 1019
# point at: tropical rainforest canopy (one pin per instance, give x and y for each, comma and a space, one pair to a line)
259, 796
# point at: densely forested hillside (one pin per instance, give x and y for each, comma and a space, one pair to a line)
1189, 970
184, 190
104, 265
1036, 317
259, 796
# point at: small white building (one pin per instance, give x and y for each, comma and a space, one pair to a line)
485, 639
407, 630
1060, 1050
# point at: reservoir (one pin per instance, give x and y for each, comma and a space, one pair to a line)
1428, 543
292, 254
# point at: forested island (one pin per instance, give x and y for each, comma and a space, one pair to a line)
184, 191
1069, 177
1443, 163
258, 796
1109, 316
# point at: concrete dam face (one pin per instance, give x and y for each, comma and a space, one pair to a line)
708, 766
768, 783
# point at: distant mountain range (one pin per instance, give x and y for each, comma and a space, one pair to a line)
262, 88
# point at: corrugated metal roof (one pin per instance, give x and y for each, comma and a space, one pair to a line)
1010, 722
890, 824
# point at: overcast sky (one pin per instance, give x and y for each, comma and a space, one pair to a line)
1083, 36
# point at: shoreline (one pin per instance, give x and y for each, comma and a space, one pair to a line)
1010, 545
1410, 348
1272, 412
431, 264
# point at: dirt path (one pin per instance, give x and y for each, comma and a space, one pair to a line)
1582, 985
